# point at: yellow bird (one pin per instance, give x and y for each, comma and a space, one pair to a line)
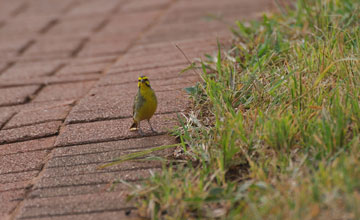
145, 104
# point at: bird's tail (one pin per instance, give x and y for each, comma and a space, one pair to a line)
134, 126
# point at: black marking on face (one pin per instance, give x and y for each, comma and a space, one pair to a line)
145, 80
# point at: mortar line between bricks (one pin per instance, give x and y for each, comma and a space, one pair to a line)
81, 45
23, 7
49, 25
30, 124
32, 96
22, 171
48, 83
6, 121
23, 140
56, 69
7, 66
22, 50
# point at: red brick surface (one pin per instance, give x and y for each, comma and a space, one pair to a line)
110, 130
29, 132
22, 162
26, 146
37, 116
30, 69
16, 95
5, 115
66, 91
18, 177
68, 77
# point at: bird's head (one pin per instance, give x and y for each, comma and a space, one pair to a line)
143, 82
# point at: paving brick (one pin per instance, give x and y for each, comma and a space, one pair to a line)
124, 67
55, 47
9, 200
110, 130
66, 91
78, 68
95, 178
148, 62
82, 204
3, 66
80, 26
153, 56
144, 5
127, 23
36, 116
11, 45
74, 190
14, 186
108, 44
91, 159
25, 25
30, 69
29, 132
117, 102
6, 208
158, 77
18, 177
87, 163
200, 10
26, 146
109, 58
16, 95
91, 7
35, 106
5, 115
8, 8
45, 7
7, 55
190, 21
49, 80
185, 31
11, 195
127, 144
22, 162
102, 214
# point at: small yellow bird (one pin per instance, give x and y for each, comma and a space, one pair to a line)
145, 104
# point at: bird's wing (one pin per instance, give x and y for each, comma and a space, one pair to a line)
135, 101
138, 103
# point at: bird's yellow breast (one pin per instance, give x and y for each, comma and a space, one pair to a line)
146, 104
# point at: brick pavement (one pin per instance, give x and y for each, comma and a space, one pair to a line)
68, 72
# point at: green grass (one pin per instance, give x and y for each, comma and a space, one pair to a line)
274, 130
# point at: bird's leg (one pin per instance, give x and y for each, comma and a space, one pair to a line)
139, 129
151, 126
